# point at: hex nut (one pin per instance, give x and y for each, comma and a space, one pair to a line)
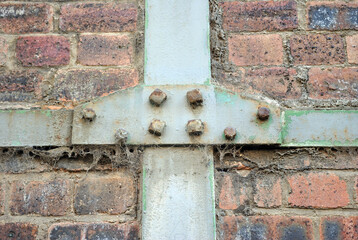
195, 98
156, 127
195, 127
230, 133
121, 136
88, 114
263, 113
157, 97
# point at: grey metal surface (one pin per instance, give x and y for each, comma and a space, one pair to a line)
178, 194
132, 111
320, 128
35, 127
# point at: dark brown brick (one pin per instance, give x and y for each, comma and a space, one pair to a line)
17, 86
105, 50
128, 231
247, 50
352, 48
18, 231
333, 83
98, 17
2, 199
25, 18
3, 51
65, 231
50, 198
265, 227
259, 16
316, 49
111, 195
85, 84
43, 50
339, 227
318, 190
333, 16
268, 191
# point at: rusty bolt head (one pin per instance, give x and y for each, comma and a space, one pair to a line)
195, 98
230, 133
263, 113
195, 127
156, 127
157, 97
121, 136
88, 114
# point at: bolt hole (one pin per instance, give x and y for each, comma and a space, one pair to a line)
131, 150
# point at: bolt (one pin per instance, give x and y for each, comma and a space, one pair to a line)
156, 127
121, 136
88, 114
157, 97
230, 133
195, 98
195, 127
263, 113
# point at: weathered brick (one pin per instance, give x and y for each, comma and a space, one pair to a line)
333, 83
129, 231
337, 227
317, 49
235, 192
23, 231
265, 227
246, 50
105, 50
268, 191
112, 195
2, 199
259, 16
352, 48
17, 86
25, 18
51, 198
65, 231
43, 50
332, 16
98, 17
85, 84
318, 190
3, 51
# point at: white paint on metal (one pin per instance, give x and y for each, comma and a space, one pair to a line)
177, 42
178, 194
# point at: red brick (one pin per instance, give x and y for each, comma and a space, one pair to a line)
25, 18
266, 227
78, 231
3, 51
352, 48
105, 50
316, 49
51, 198
318, 190
85, 84
337, 227
268, 191
98, 17
332, 16
43, 50
2, 199
227, 199
23, 231
259, 16
17, 86
246, 50
111, 195
356, 189
333, 83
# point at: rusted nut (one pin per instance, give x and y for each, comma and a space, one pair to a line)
121, 136
195, 98
156, 127
88, 114
230, 133
195, 127
263, 113
157, 97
